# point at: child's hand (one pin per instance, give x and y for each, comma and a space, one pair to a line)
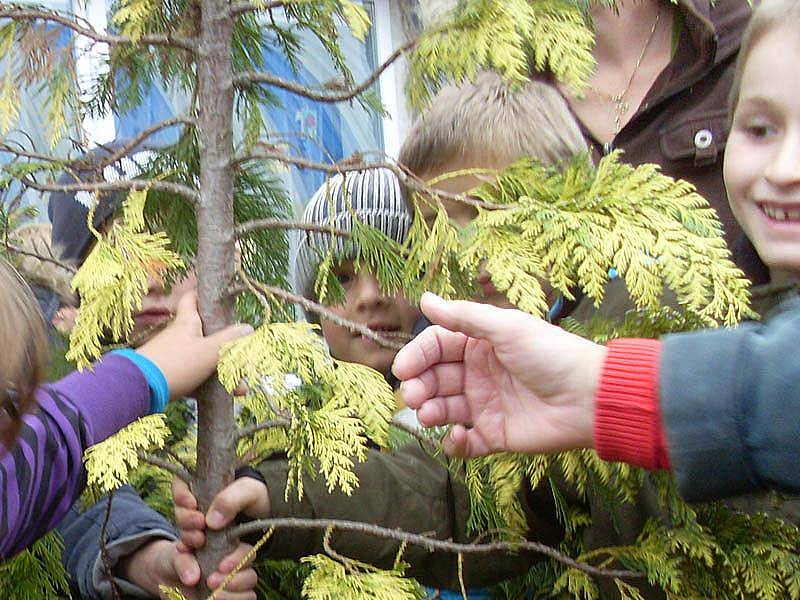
184, 355
246, 495
168, 563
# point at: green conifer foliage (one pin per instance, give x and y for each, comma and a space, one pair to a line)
211, 202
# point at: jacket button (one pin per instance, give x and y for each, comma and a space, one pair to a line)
703, 139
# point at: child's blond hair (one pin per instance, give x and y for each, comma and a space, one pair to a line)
768, 16
487, 122
24, 342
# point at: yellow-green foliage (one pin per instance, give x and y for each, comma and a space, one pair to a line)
356, 18
133, 16
113, 279
333, 580
570, 225
506, 36
109, 463
36, 573
333, 407
430, 255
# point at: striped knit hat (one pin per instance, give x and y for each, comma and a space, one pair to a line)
372, 195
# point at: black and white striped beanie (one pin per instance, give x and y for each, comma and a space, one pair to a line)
372, 196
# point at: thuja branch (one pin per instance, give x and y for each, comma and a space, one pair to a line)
152, 39
112, 186
320, 95
426, 542
259, 224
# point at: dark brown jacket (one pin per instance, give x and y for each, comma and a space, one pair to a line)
688, 102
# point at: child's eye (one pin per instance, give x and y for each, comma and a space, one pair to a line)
343, 278
759, 130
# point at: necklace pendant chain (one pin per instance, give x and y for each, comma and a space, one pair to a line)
621, 106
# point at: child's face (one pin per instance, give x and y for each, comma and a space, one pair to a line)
365, 304
762, 158
462, 215
159, 306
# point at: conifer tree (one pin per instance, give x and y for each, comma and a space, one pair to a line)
211, 193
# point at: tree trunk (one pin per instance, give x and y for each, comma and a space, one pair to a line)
216, 451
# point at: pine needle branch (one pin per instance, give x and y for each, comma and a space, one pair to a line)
109, 186
246, 78
428, 543
259, 224
153, 39
245, 432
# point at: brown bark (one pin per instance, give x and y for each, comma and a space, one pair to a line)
216, 449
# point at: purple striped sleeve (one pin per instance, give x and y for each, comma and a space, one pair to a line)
42, 475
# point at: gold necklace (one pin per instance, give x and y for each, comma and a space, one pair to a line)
621, 106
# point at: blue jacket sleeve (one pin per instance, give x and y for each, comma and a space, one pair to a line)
730, 402
131, 525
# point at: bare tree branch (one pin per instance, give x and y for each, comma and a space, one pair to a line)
153, 39
356, 163
239, 8
259, 224
177, 470
106, 186
248, 77
81, 163
326, 313
143, 136
426, 542
245, 432
44, 258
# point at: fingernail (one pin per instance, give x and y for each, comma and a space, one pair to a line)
189, 575
245, 329
215, 519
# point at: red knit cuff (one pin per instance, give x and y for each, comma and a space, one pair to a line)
627, 425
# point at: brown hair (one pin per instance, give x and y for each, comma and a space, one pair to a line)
768, 16
22, 335
488, 122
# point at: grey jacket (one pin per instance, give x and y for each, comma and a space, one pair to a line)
731, 406
132, 524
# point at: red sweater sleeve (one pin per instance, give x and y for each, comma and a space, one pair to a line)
627, 426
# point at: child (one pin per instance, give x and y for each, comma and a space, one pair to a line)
141, 548
42, 451
373, 197
404, 488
